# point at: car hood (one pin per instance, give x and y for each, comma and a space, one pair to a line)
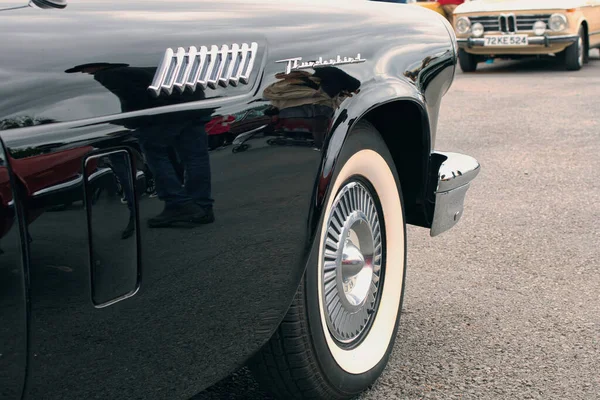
517, 5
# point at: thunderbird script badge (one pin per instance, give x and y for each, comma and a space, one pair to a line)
297, 63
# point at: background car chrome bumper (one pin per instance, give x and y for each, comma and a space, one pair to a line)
543, 40
454, 177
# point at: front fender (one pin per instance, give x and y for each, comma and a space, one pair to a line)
375, 94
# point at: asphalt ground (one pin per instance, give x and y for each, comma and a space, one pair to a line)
506, 305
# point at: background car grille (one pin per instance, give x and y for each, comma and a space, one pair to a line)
493, 23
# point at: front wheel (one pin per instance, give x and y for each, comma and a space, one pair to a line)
574, 54
467, 61
339, 331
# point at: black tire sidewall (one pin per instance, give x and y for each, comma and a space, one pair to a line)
572, 53
467, 61
362, 137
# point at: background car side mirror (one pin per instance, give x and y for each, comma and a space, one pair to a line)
49, 3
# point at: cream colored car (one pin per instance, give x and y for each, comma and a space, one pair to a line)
514, 28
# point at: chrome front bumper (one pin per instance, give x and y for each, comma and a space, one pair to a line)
537, 40
455, 174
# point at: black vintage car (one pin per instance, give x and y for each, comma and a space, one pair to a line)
283, 248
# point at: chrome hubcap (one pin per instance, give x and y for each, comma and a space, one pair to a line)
352, 263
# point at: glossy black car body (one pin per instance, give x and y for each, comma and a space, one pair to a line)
165, 313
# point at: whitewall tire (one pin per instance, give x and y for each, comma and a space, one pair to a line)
339, 332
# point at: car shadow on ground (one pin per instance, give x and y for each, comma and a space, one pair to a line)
409, 347
529, 65
240, 385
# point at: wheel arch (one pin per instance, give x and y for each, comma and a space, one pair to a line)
586, 40
410, 146
398, 110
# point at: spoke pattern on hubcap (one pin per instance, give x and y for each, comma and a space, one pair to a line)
352, 262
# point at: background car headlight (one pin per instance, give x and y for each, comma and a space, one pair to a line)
557, 22
477, 29
462, 25
539, 28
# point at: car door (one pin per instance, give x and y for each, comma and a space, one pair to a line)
13, 309
120, 309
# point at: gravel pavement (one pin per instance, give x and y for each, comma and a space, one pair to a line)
506, 304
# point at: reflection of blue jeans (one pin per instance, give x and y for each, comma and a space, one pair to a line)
307, 111
122, 169
191, 144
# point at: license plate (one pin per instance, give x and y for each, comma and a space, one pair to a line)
505, 40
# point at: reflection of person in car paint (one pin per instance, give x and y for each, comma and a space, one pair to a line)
414, 74
311, 98
158, 134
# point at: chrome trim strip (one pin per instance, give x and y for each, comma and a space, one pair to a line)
205, 67
553, 39
72, 183
197, 61
242, 136
246, 67
223, 54
545, 40
173, 71
161, 71
211, 56
182, 77
245, 51
99, 173
118, 299
216, 65
454, 177
60, 186
226, 77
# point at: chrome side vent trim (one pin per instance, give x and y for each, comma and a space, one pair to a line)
204, 67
